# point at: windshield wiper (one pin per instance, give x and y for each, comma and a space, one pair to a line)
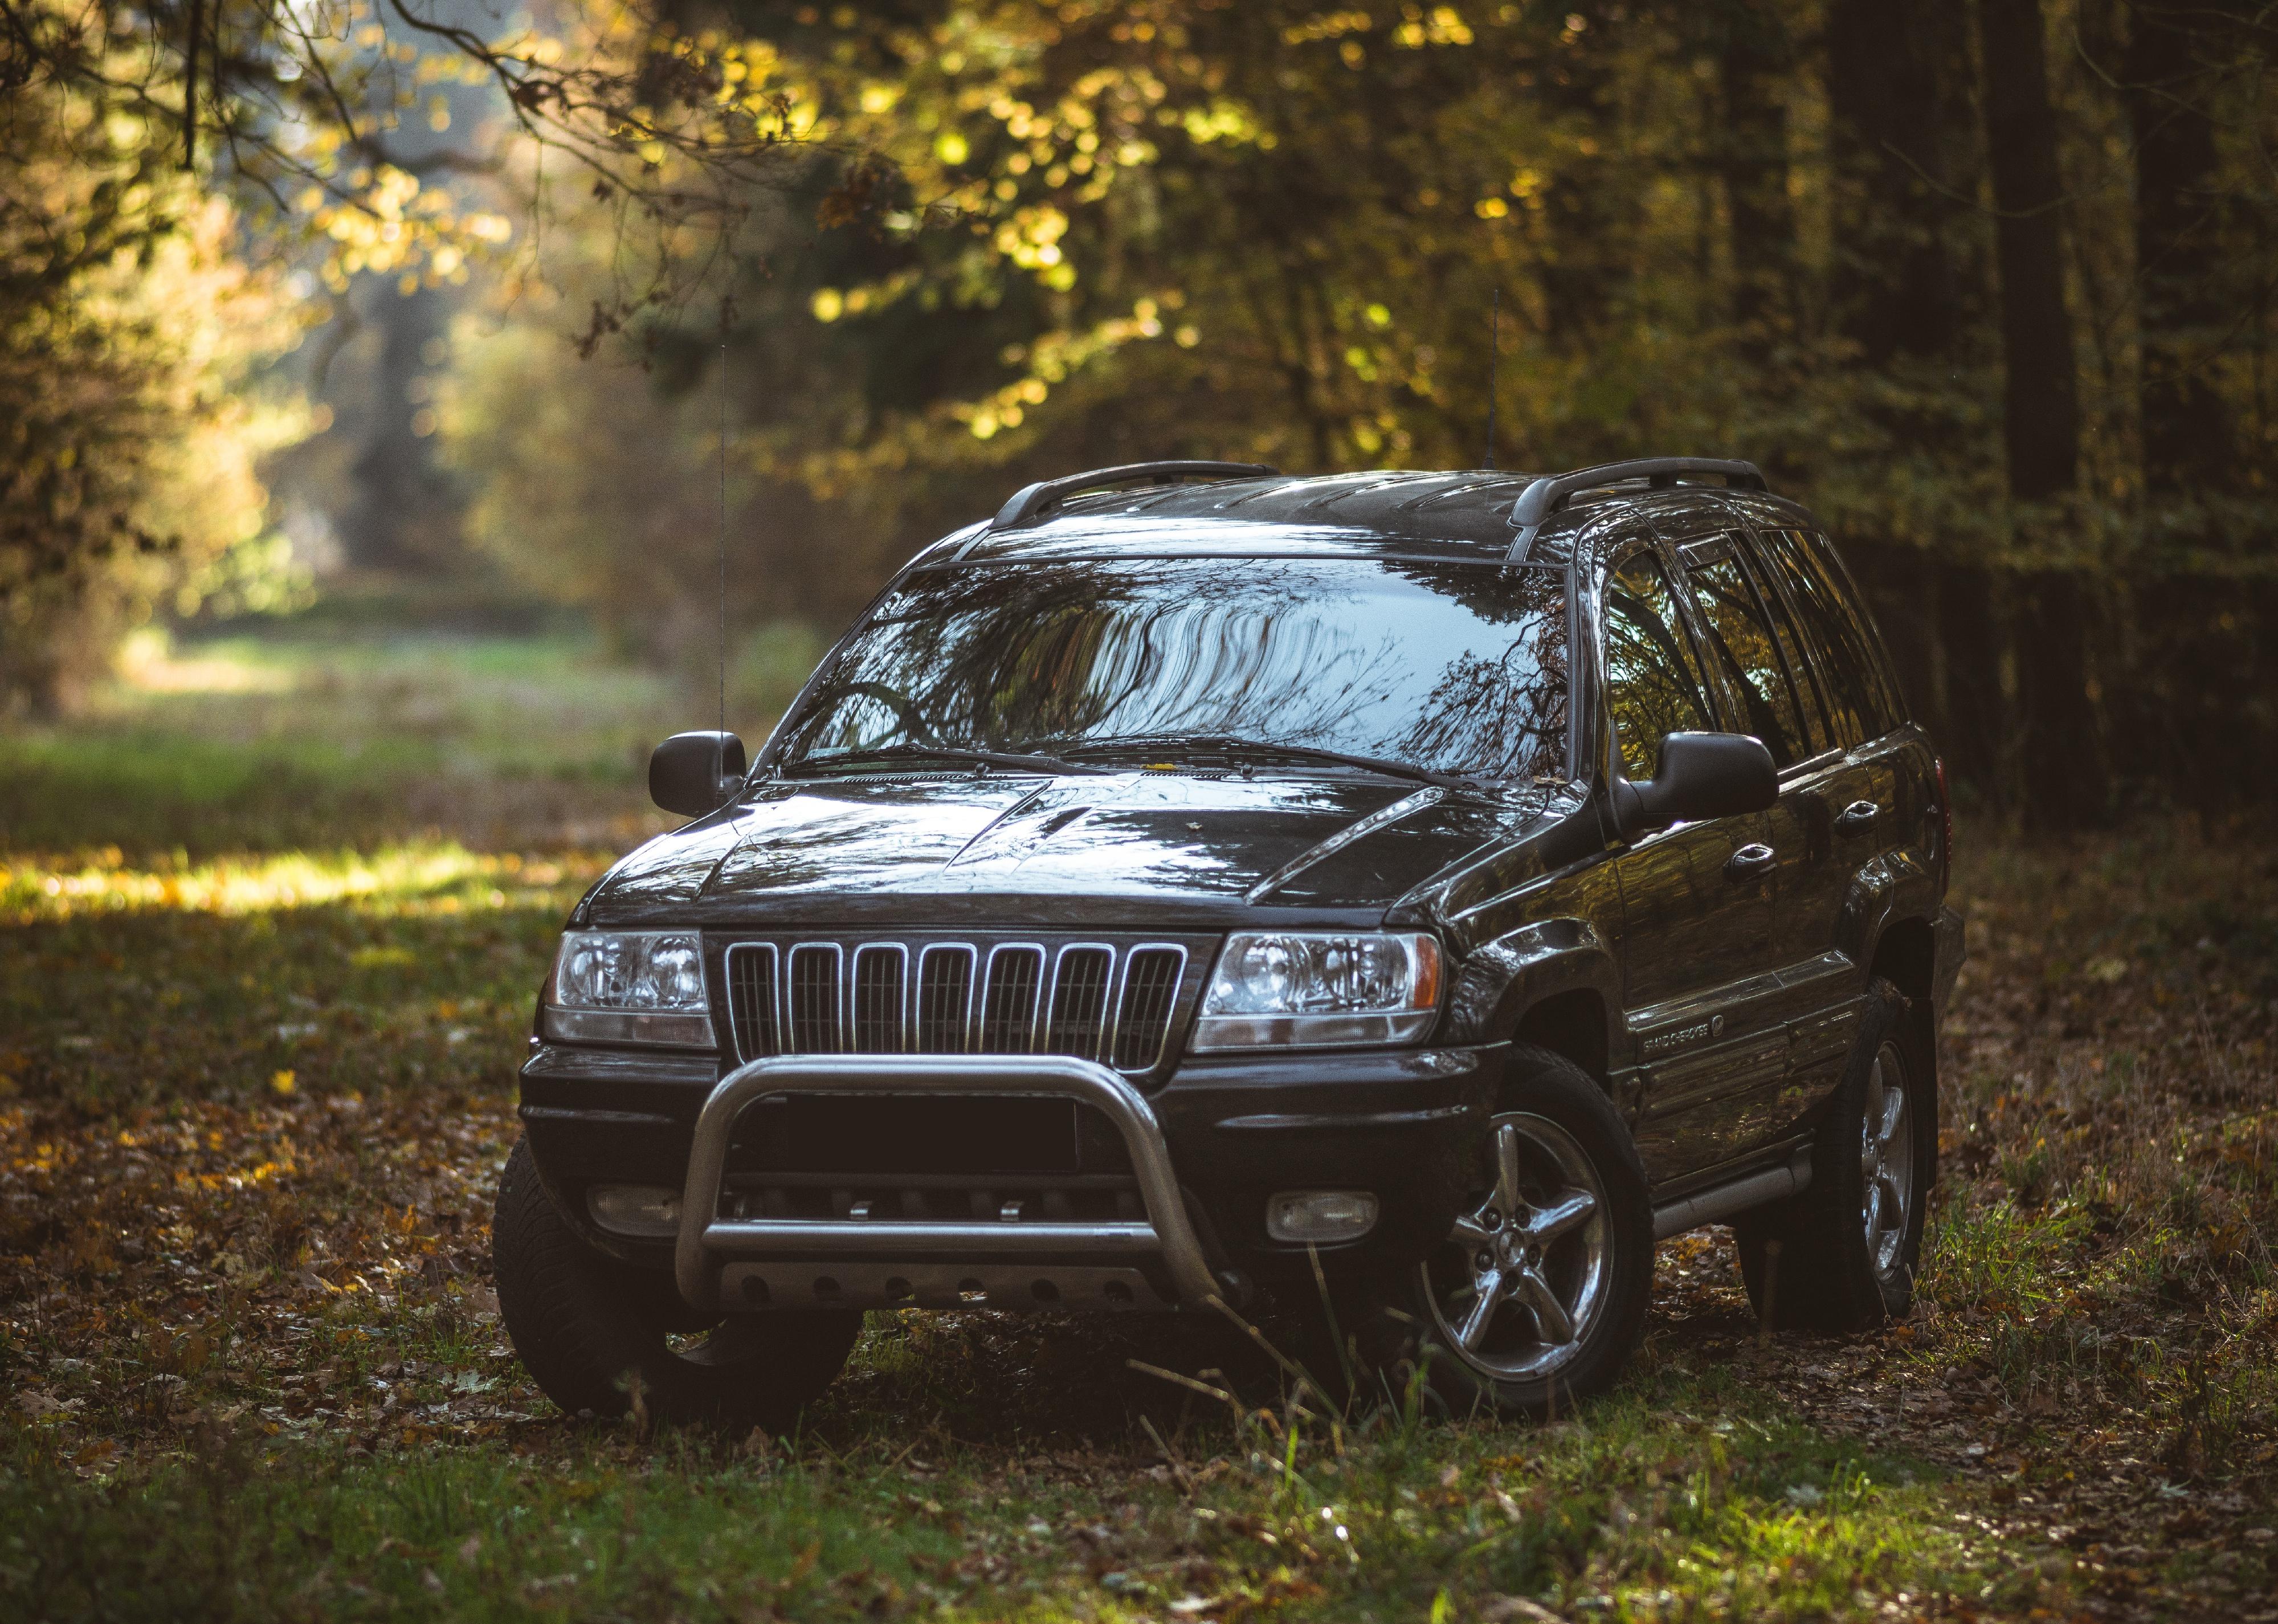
950, 753
1295, 751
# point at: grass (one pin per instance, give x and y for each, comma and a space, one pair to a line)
262, 983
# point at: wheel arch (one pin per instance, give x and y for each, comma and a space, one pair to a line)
1906, 955
1553, 983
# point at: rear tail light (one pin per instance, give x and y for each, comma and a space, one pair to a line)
1946, 814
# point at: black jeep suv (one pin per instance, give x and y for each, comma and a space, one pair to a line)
1421, 890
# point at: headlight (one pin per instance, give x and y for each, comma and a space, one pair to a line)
1313, 988
614, 986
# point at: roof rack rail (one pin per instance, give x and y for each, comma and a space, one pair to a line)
1547, 494
1031, 500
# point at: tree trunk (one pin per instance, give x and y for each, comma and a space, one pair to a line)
2065, 783
2041, 416
1897, 285
1754, 61
2187, 432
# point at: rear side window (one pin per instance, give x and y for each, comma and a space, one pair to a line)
1740, 645
1653, 676
1859, 707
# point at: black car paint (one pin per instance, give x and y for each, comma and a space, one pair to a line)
1643, 959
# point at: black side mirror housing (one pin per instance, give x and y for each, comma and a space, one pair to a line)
695, 773
1701, 776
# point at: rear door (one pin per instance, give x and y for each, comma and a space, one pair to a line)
1837, 815
1701, 984
1757, 662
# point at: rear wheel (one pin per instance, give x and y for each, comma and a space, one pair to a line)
590, 1329
1538, 1297
1841, 1256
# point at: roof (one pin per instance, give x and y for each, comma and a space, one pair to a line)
1462, 517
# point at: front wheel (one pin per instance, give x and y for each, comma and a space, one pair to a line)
1538, 1297
592, 1331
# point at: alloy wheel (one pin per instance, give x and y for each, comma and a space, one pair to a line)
1525, 1275
1886, 1162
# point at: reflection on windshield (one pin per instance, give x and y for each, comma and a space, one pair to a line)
1457, 668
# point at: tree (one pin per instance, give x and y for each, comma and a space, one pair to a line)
2063, 766
129, 334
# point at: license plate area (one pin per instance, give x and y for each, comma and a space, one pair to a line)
908, 1133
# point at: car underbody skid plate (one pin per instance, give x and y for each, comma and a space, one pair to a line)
859, 1261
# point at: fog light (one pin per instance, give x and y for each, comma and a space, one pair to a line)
1320, 1214
635, 1209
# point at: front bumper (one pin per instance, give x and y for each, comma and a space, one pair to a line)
1205, 1152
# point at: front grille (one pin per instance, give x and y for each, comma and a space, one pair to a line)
1091, 999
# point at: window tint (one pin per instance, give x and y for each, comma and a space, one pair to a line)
1740, 646
1845, 663
1890, 697
1810, 702
1653, 677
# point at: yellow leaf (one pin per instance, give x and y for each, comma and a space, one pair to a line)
282, 1082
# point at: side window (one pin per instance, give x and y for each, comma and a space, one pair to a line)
1830, 565
1796, 654
1846, 662
1653, 677
1740, 646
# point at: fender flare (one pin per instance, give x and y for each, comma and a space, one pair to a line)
1501, 979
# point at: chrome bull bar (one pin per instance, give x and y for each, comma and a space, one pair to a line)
707, 1244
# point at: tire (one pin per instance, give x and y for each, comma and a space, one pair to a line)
1808, 1261
588, 1328
1580, 1266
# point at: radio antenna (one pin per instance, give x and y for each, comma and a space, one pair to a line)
1494, 358
720, 768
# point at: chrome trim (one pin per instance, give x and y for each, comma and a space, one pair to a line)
736, 1034
787, 1035
1052, 999
985, 967
1123, 985
1725, 1201
972, 991
987, 984
707, 1241
850, 1034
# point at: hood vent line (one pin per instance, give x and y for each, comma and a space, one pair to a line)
1343, 838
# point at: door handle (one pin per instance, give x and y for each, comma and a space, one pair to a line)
1751, 862
1858, 816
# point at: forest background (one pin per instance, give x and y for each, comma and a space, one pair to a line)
305, 296
366, 371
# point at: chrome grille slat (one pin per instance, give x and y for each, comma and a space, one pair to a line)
1008, 1003
1079, 984
813, 988
1108, 1001
752, 999
878, 968
1143, 1020
945, 998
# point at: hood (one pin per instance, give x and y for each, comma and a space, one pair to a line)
1024, 853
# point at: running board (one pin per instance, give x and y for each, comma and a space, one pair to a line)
1730, 1200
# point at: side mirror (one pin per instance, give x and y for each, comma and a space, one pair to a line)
1701, 776
695, 773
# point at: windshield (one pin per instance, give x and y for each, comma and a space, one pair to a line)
1454, 668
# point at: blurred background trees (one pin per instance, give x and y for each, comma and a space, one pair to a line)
1986, 281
